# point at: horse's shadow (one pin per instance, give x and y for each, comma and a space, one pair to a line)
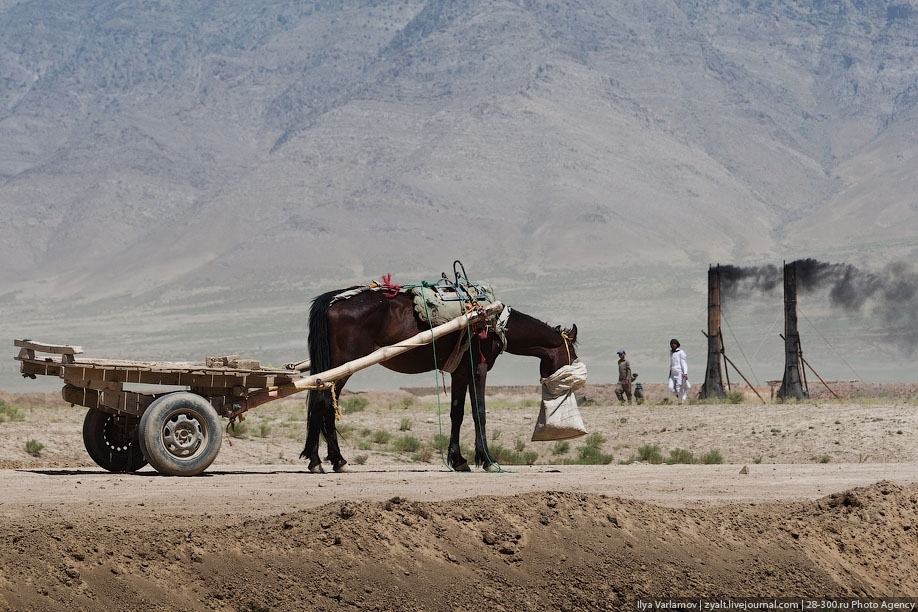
86, 472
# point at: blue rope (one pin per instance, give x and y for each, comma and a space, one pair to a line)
474, 395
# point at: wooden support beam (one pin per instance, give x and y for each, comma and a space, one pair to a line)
324, 379
28, 348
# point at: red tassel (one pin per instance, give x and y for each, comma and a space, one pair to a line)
389, 290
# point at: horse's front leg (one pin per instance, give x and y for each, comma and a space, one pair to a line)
482, 456
460, 385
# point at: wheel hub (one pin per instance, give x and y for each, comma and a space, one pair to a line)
117, 434
183, 436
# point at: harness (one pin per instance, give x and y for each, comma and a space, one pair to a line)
442, 301
567, 346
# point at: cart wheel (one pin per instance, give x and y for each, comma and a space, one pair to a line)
180, 434
112, 441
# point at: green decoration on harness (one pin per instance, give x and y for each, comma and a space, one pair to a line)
440, 303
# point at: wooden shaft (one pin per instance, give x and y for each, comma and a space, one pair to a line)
819, 377
751, 386
321, 379
299, 366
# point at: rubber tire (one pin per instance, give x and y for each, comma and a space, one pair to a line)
112, 441
180, 434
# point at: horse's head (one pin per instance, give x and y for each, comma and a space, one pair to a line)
555, 347
566, 354
569, 334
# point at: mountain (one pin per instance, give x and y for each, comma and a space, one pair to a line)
184, 177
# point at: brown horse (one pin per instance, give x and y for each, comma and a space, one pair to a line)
344, 330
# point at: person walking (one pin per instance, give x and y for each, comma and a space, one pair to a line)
623, 388
678, 370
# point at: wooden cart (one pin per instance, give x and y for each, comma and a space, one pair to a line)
168, 414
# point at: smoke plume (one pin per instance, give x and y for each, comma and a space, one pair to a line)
891, 293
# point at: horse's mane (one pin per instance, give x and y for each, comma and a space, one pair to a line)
556, 328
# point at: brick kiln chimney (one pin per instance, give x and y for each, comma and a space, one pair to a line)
791, 385
713, 376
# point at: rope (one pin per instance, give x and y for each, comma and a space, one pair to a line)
740, 347
471, 304
829, 344
334, 397
567, 347
433, 347
475, 407
437, 386
474, 382
437, 379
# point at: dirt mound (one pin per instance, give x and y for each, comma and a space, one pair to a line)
536, 551
865, 538
791, 512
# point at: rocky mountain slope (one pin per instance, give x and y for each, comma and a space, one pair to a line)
171, 171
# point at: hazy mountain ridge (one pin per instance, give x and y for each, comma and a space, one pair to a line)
192, 103
208, 152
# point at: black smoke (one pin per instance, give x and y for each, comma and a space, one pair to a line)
891, 293
740, 283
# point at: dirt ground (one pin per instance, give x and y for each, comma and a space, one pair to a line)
809, 500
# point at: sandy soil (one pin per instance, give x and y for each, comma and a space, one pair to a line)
817, 499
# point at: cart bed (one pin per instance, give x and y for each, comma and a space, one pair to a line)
99, 383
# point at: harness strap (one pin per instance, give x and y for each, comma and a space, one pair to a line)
567, 346
482, 336
335, 402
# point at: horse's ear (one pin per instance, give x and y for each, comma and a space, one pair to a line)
573, 333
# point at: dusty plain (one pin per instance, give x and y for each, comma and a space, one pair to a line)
811, 500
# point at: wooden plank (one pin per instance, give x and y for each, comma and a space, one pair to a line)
176, 366
56, 349
126, 401
156, 374
72, 376
322, 379
103, 378
161, 366
41, 368
108, 401
80, 397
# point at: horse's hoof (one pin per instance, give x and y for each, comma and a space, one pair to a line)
340, 466
456, 461
492, 467
317, 469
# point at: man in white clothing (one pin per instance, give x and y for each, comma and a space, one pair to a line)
678, 370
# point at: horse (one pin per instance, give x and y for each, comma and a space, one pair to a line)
341, 330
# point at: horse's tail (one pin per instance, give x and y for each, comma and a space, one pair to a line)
320, 417
319, 354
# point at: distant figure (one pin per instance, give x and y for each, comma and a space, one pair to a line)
638, 390
623, 388
678, 370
